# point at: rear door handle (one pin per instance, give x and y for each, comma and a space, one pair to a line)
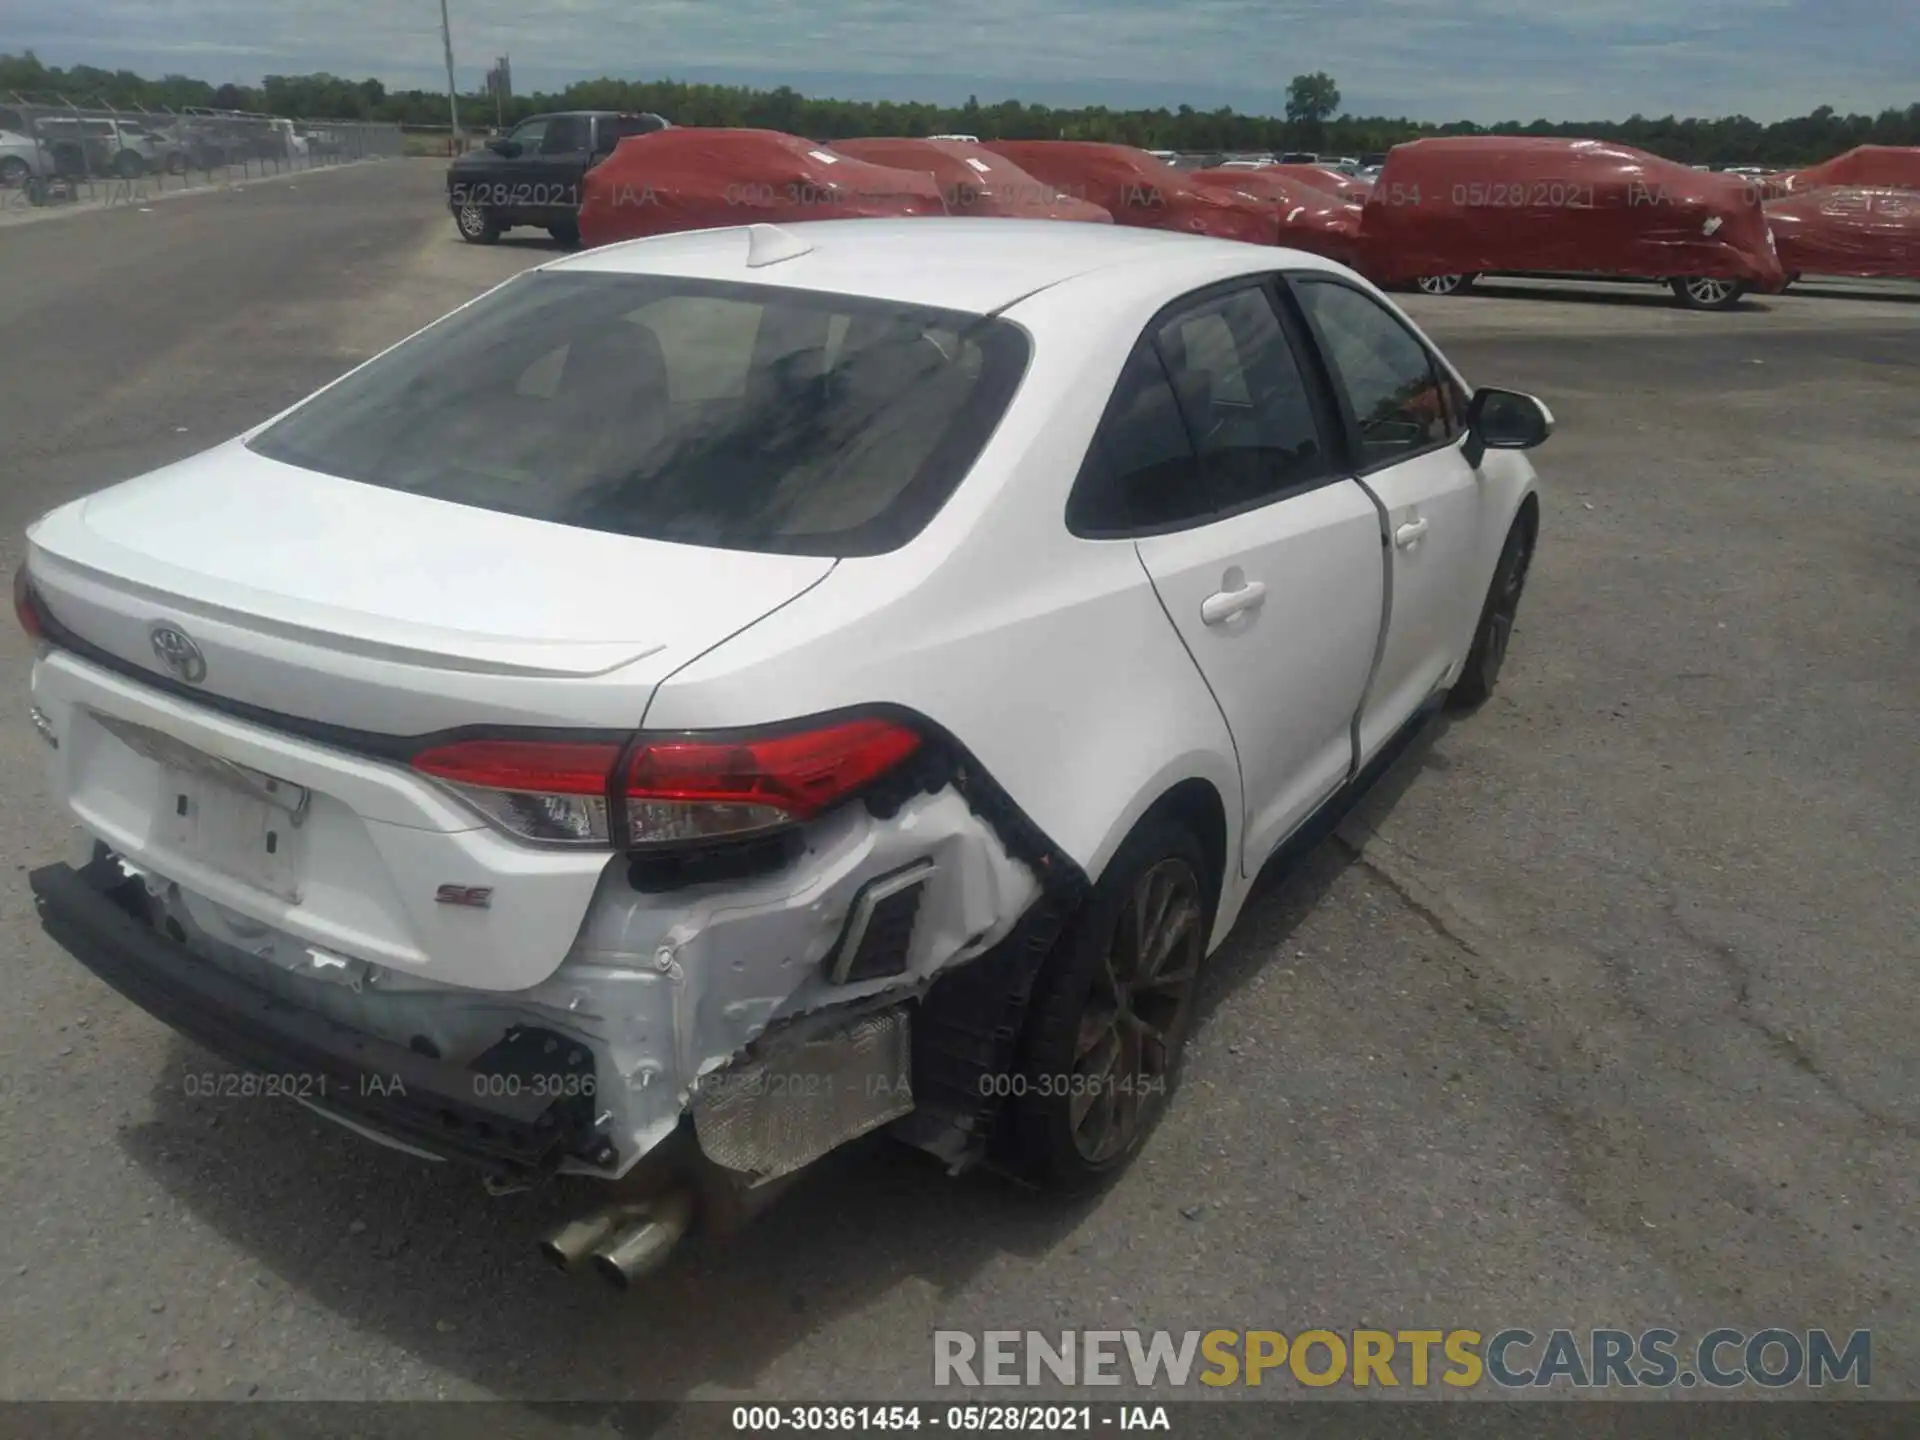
1408, 535
1220, 608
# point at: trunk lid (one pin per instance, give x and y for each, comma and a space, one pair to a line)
379, 610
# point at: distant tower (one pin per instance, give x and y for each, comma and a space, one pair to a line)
500, 86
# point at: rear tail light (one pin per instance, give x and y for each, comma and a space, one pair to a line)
536, 789
26, 606
686, 788
670, 790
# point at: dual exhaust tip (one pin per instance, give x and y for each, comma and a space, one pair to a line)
623, 1243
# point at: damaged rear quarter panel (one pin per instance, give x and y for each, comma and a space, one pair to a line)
677, 985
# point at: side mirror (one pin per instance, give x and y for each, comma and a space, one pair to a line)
1504, 420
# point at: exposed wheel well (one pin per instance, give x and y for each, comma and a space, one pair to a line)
1196, 804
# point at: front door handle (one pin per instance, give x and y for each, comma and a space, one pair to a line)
1408, 535
1220, 608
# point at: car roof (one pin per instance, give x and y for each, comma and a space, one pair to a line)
971, 264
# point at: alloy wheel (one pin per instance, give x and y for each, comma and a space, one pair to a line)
1708, 290
1137, 1012
1506, 602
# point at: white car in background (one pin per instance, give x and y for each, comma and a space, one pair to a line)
718, 695
20, 157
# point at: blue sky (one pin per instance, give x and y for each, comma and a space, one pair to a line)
1479, 60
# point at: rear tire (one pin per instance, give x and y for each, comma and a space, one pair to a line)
1494, 635
1444, 284
1707, 292
477, 225
1110, 1013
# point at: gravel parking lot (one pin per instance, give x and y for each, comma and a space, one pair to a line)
1601, 1012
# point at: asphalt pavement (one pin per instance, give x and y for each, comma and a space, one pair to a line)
1600, 1013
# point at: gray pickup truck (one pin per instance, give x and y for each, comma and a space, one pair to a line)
532, 175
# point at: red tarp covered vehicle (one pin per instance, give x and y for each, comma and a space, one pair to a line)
1136, 189
1848, 230
1447, 209
975, 181
691, 179
1311, 219
1331, 181
1875, 167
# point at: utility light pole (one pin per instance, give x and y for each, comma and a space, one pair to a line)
453, 93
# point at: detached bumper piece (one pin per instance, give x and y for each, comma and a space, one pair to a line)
500, 1113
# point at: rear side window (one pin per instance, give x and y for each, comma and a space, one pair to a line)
737, 416
1391, 380
1140, 472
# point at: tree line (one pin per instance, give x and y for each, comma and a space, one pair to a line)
1309, 118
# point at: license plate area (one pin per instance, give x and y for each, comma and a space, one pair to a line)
241, 822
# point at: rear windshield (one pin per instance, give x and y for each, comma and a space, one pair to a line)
737, 416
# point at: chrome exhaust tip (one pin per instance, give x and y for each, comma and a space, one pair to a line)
565, 1246
631, 1252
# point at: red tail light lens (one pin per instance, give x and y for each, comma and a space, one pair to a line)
677, 790
26, 607
693, 789
537, 789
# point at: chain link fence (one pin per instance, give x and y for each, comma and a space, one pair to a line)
61, 154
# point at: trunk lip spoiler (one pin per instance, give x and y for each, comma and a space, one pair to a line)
504, 655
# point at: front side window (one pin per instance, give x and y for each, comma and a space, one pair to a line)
566, 135
1399, 403
738, 416
528, 135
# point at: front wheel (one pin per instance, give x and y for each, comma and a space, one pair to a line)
1495, 633
1444, 284
476, 224
14, 171
1708, 292
1111, 1011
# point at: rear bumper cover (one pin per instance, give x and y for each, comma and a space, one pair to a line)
495, 1113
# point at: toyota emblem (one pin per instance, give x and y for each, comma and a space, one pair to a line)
179, 654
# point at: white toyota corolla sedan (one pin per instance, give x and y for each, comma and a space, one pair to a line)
716, 696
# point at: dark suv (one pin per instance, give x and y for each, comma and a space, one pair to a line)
532, 176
